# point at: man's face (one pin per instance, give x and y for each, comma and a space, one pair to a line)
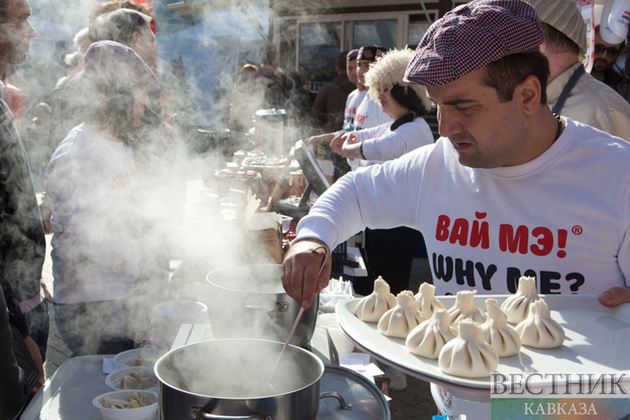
363, 66
605, 54
16, 32
351, 69
141, 100
485, 132
144, 45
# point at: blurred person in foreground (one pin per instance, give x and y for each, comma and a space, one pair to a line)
605, 67
22, 242
571, 91
92, 189
500, 165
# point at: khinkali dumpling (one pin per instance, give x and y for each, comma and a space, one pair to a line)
465, 308
516, 306
467, 355
498, 333
428, 338
372, 307
427, 302
539, 330
404, 317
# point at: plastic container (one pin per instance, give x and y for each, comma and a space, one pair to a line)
150, 356
150, 412
114, 379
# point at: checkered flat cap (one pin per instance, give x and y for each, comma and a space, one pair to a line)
472, 36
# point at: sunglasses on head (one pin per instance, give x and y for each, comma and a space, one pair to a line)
610, 51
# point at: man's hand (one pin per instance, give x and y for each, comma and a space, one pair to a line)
317, 140
614, 297
33, 349
306, 270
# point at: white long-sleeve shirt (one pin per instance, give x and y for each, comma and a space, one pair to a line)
381, 143
563, 217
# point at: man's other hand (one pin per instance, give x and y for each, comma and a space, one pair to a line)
614, 297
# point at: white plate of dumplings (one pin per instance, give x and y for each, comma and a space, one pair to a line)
574, 333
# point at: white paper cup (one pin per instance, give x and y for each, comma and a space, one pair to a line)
150, 412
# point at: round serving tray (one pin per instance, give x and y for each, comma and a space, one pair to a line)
597, 341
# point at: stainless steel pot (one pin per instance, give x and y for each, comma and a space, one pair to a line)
228, 379
249, 302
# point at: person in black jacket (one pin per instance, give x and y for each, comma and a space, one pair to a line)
14, 390
22, 242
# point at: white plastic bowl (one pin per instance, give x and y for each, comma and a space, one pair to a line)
150, 412
123, 359
342, 342
114, 379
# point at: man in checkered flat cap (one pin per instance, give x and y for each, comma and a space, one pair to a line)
571, 91
508, 189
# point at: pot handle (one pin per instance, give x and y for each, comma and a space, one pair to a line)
279, 307
199, 414
338, 397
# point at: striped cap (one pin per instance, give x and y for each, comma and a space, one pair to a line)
472, 36
565, 16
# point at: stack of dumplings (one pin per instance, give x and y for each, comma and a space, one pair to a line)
372, 307
401, 319
466, 341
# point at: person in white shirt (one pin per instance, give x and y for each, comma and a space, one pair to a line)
91, 185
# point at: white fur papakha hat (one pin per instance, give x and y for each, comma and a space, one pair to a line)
390, 70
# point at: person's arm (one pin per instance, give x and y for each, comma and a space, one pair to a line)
394, 144
377, 197
322, 138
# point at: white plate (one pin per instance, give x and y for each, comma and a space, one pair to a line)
597, 340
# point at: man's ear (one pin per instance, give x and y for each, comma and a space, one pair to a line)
528, 92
